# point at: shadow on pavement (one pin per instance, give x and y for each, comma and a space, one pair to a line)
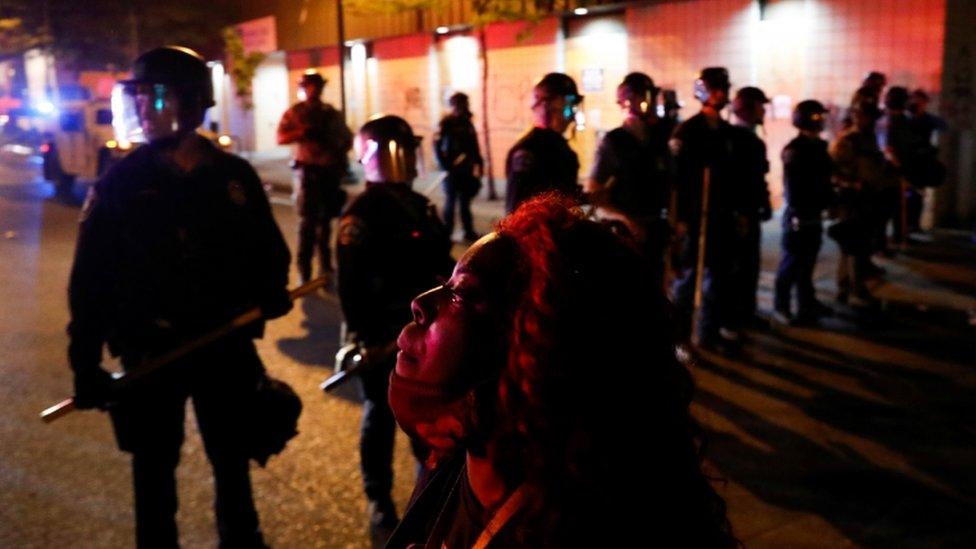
320, 343
872, 505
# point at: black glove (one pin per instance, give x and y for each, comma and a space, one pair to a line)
92, 388
276, 305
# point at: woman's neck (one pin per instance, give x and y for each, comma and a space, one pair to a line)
485, 482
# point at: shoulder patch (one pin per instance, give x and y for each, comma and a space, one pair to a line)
351, 231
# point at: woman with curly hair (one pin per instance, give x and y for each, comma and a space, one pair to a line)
542, 375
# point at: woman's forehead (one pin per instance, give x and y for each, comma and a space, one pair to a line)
490, 258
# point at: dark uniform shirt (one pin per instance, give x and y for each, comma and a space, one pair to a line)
456, 145
807, 170
696, 145
750, 168
164, 255
538, 162
392, 246
635, 172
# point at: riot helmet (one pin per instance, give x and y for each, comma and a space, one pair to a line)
809, 115
896, 98
460, 103
168, 93
310, 85
557, 85
747, 104
711, 78
865, 101
637, 94
387, 148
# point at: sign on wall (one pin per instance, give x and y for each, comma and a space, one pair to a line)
259, 35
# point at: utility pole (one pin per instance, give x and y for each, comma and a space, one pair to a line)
342, 59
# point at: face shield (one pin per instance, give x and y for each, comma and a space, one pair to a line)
386, 160
640, 104
143, 112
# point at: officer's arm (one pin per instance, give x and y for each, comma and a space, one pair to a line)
271, 255
605, 165
289, 130
523, 177
92, 299
355, 273
765, 204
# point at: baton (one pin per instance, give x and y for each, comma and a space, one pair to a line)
700, 271
67, 405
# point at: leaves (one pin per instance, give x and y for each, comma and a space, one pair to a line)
243, 65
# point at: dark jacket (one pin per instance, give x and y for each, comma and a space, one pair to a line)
635, 173
750, 166
164, 255
696, 146
807, 170
456, 145
392, 246
538, 162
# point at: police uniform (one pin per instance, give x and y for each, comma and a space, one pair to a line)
752, 207
807, 170
540, 161
391, 247
321, 156
164, 256
697, 145
457, 151
636, 175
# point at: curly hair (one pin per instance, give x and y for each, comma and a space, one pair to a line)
592, 412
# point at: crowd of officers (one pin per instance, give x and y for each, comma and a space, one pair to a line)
694, 194
179, 237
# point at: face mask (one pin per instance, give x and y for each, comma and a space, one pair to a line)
415, 403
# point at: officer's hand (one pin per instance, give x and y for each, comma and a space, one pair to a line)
477, 171
276, 305
92, 388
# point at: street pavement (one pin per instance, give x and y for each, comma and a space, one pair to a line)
858, 433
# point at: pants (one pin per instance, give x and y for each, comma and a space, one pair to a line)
219, 380
744, 273
715, 287
800, 248
319, 200
457, 189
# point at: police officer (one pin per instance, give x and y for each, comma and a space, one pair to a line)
807, 170
752, 206
457, 152
176, 239
926, 170
631, 173
705, 141
541, 159
391, 247
860, 173
323, 140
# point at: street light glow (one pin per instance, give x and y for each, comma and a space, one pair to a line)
442, 30
581, 11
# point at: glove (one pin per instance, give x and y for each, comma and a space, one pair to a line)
276, 305
92, 388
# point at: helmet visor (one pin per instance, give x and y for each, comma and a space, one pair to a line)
386, 160
144, 112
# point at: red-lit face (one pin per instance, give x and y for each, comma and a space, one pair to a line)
312, 90
453, 323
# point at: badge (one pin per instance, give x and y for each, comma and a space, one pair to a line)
235, 190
